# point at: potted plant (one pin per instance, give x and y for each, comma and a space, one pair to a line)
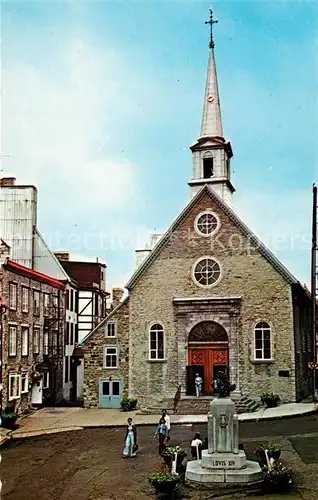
9, 418
168, 458
164, 482
278, 479
274, 450
179, 450
270, 400
128, 404
260, 454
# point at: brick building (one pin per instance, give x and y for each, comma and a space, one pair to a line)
19, 229
207, 296
32, 335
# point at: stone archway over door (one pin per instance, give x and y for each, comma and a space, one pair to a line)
208, 353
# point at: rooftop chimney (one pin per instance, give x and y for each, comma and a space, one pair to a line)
7, 181
117, 296
62, 255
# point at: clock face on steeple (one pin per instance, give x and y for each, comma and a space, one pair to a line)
210, 98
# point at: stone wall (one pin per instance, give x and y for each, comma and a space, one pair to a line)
265, 296
94, 355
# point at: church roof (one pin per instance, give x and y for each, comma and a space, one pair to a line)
263, 250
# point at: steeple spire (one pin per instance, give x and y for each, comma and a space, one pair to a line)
211, 152
211, 120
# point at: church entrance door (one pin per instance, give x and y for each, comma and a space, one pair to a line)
208, 353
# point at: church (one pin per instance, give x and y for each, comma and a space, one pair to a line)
206, 296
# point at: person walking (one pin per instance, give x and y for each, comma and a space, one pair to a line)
164, 414
161, 433
198, 385
131, 446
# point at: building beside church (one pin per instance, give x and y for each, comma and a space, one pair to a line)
207, 296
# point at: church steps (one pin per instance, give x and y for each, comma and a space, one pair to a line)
199, 406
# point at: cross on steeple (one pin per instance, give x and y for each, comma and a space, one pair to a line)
211, 22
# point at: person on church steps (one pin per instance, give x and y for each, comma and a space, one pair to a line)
198, 385
161, 433
165, 415
196, 446
131, 446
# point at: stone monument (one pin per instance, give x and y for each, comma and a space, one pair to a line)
223, 461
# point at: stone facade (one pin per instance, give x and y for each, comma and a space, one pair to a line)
94, 363
39, 359
251, 289
264, 295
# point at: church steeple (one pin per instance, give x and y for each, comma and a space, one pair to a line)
211, 152
211, 118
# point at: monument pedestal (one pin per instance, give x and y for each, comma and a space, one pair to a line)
197, 474
223, 462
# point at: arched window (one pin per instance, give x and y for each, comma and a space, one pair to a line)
156, 342
262, 341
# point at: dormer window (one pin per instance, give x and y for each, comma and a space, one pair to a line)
207, 167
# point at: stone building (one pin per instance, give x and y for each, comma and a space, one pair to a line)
32, 319
208, 296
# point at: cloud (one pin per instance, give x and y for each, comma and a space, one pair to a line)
58, 123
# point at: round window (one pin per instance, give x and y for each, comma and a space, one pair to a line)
207, 272
207, 223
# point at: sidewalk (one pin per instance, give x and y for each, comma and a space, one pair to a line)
53, 420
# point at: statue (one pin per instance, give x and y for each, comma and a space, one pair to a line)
221, 385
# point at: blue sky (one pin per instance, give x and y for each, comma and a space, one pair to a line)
101, 101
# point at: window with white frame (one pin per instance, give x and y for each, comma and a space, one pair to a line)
111, 329
24, 382
36, 340
13, 296
156, 342
207, 223
46, 380
46, 304
24, 341
25, 299
12, 340
14, 386
262, 341
45, 343
111, 357
206, 272
36, 302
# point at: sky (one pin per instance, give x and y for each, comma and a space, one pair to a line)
101, 101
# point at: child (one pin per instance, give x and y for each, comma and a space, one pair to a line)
196, 446
161, 432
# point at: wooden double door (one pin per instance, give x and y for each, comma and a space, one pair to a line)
207, 361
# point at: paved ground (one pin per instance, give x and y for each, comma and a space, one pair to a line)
86, 465
58, 419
